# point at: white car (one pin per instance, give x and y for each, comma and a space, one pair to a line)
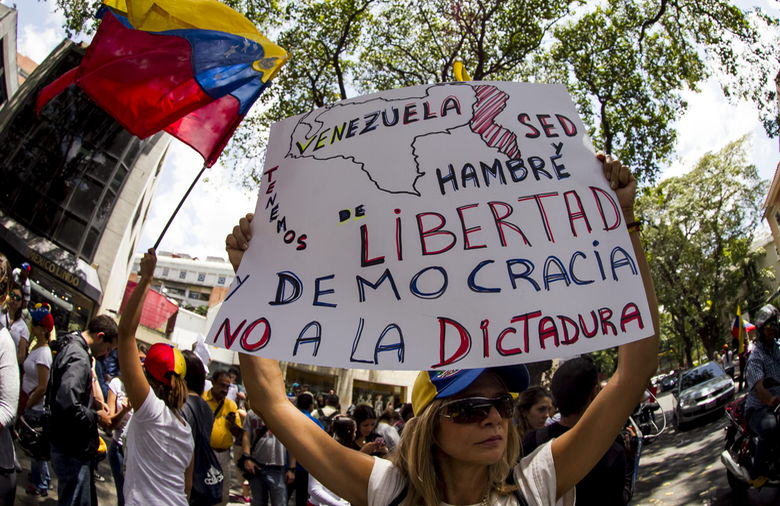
701, 391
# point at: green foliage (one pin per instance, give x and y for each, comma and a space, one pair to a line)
698, 235
626, 62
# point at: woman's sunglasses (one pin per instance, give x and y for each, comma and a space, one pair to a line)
15, 296
476, 409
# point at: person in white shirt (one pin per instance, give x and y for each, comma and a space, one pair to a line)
460, 448
11, 318
159, 445
21, 277
120, 412
36, 369
9, 396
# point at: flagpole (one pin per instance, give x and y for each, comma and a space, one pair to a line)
164, 230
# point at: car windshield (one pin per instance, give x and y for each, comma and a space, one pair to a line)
700, 375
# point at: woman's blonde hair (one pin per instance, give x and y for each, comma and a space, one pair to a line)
415, 457
174, 396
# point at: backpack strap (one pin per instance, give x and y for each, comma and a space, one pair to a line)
400, 497
510, 480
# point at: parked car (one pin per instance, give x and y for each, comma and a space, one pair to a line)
701, 391
669, 381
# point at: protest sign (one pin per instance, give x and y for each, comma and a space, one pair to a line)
442, 226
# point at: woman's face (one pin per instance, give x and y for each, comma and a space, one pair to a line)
482, 442
39, 332
367, 426
537, 415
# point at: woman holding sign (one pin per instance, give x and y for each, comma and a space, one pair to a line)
460, 447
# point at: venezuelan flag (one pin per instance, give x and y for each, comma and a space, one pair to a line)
190, 67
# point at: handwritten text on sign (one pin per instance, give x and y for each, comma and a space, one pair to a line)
442, 226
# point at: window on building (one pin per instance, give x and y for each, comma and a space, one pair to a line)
172, 290
182, 274
199, 296
62, 172
166, 271
201, 277
221, 280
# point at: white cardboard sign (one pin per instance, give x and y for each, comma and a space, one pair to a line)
445, 226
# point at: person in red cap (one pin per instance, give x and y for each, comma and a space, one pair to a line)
36, 369
460, 448
159, 445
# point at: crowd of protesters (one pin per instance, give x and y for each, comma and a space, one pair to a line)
178, 438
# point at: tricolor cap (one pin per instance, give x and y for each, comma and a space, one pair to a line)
163, 359
431, 385
26, 266
41, 316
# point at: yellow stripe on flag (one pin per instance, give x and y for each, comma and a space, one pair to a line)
163, 15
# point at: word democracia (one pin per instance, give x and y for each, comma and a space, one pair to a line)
525, 333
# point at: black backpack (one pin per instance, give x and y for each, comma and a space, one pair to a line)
326, 421
207, 476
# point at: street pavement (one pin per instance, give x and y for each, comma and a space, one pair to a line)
105, 486
683, 467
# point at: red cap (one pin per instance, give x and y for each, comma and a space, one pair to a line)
163, 359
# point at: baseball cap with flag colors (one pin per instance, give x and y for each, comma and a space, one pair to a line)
41, 316
163, 359
431, 385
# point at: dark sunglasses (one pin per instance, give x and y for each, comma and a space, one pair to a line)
476, 409
15, 296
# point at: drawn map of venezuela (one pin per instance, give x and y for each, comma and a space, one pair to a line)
442, 109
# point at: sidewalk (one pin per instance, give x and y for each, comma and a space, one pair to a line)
105, 489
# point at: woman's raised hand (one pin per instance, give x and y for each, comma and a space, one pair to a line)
148, 263
621, 180
237, 241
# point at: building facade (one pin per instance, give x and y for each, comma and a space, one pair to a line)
76, 191
8, 73
189, 281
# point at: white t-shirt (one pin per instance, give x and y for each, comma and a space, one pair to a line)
158, 450
534, 475
389, 433
18, 329
120, 432
39, 356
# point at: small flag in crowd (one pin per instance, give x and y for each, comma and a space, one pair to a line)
740, 328
190, 67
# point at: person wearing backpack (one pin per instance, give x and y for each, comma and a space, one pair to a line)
72, 427
266, 464
159, 444
328, 412
207, 476
574, 387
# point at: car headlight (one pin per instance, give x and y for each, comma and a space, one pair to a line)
685, 402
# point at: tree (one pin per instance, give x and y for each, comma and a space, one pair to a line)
626, 62
698, 235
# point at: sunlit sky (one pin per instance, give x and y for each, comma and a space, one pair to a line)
709, 123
